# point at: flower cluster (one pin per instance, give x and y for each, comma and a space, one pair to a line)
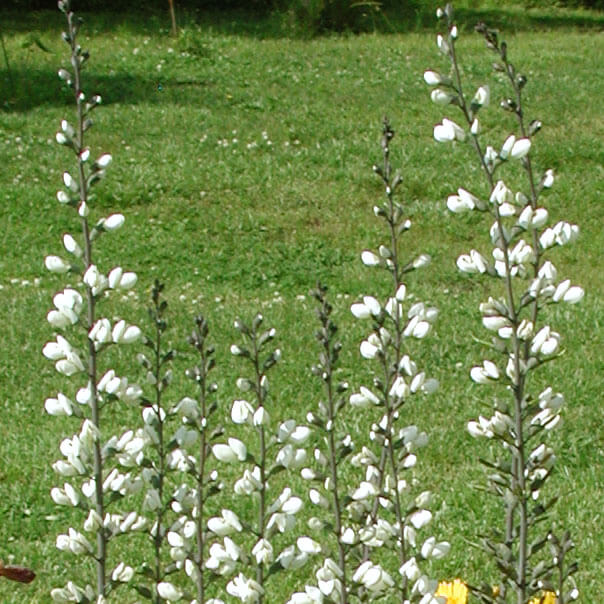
521, 239
275, 449
189, 453
91, 461
393, 514
381, 512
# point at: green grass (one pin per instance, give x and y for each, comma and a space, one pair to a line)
243, 166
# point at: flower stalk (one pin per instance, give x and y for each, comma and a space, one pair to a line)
514, 318
87, 456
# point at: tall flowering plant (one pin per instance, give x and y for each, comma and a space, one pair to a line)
159, 456
269, 450
385, 511
526, 284
370, 527
396, 509
189, 534
89, 467
339, 547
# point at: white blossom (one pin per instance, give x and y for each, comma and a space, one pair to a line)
448, 131
247, 590
169, 591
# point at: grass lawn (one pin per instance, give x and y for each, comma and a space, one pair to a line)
242, 163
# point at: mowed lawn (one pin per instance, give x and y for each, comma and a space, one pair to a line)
242, 163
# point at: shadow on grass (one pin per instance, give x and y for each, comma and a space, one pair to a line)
30, 88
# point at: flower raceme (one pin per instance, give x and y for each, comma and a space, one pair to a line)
527, 282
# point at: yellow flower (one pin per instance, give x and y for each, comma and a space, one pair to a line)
456, 592
548, 597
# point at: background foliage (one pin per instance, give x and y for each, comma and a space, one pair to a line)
311, 16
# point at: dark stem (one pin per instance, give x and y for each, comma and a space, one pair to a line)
101, 554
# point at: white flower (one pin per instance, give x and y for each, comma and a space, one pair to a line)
56, 265
122, 573
463, 201
565, 232
72, 246
547, 239
364, 491
123, 333
368, 258
442, 44
474, 262
58, 406
263, 552
290, 560
93, 522
490, 155
260, 417
370, 306
188, 407
226, 525
101, 332
74, 542
364, 398
70, 183
169, 592
308, 545
94, 279
507, 146
373, 577
432, 78
223, 557
369, 350
249, 482
520, 148
410, 570
317, 498
65, 496
290, 457
421, 260
501, 194
310, 595
432, 549
448, 131
247, 590
561, 290
441, 97
548, 179
104, 160
574, 294
289, 431
485, 374
482, 96
72, 593
242, 412
118, 279
545, 342
235, 450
